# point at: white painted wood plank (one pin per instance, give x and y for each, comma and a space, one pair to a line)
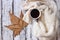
58, 15
0, 19
7, 34
17, 10
58, 4
28, 32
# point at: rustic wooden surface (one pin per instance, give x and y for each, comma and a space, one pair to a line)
7, 34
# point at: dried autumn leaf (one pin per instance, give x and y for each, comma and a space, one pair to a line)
16, 32
17, 23
24, 24
14, 19
13, 26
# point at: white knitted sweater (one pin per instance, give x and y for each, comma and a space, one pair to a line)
47, 22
